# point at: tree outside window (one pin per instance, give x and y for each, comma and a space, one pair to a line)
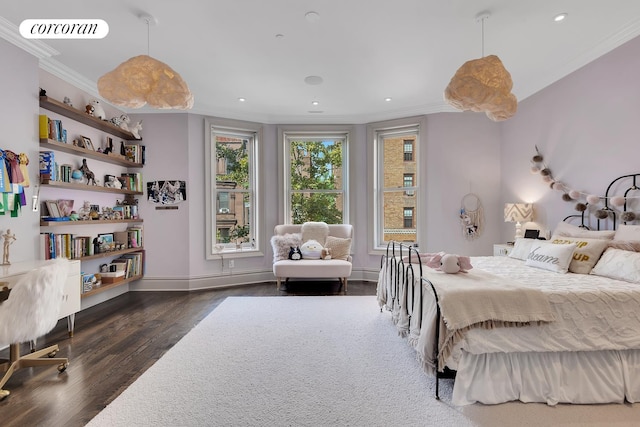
316, 179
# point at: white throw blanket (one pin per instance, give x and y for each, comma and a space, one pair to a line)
478, 299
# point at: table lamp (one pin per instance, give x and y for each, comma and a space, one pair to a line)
518, 213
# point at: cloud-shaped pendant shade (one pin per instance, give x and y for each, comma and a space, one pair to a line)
483, 85
144, 80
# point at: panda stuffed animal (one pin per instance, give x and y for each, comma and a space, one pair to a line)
294, 253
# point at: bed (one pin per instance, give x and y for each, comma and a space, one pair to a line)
587, 351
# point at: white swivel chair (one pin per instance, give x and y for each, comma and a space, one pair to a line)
32, 310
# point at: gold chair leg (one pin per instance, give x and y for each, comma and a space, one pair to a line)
31, 360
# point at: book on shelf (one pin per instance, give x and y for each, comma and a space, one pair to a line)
47, 165
134, 153
135, 239
65, 245
51, 129
132, 181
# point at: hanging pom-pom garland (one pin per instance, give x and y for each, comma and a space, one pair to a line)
592, 199
628, 216
538, 166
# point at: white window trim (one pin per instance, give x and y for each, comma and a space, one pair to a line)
284, 167
375, 247
258, 218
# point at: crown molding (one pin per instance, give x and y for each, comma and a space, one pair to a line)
37, 48
70, 76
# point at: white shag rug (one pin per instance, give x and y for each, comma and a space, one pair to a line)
286, 361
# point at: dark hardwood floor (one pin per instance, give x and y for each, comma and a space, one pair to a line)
114, 343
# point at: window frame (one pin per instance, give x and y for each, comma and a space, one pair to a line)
235, 128
375, 137
285, 134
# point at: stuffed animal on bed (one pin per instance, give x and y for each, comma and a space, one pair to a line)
311, 249
450, 263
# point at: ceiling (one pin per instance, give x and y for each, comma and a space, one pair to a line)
364, 50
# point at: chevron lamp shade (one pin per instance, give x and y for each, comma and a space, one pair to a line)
518, 212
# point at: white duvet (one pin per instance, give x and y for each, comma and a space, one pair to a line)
592, 312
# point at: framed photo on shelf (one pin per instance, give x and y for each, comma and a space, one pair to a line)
52, 207
106, 238
86, 143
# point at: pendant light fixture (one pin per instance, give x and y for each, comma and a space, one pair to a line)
483, 85
143, 80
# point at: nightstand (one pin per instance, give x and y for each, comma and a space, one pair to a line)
502, 249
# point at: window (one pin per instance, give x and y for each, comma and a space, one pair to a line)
408, 150
408, 217
232, 196
315, 175
408, 182
395, 182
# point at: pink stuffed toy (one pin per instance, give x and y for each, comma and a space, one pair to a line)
450, 263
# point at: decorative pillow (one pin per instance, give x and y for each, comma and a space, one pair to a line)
282, 244
317, 231
628, 232
625, 245
619, 264
570, 230
550, 256
587, 252
340, 247
311, 249
521, 248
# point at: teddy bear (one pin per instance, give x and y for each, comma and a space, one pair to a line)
97, 111
450, 263
326, 253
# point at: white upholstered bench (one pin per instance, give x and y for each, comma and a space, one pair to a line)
339, 266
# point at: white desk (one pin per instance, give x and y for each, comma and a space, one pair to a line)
10, 274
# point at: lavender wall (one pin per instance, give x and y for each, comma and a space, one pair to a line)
587, 126
18, 121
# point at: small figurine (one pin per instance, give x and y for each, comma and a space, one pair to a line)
91, 178
123, 152
109, 148
43, 92
8, 241
122, 122
74, 216
96, 245
84, 210
135, 130
67, 101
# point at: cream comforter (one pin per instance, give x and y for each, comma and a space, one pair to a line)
591, 313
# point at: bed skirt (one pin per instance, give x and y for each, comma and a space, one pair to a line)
607, 376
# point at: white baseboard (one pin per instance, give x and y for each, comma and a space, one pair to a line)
212, 282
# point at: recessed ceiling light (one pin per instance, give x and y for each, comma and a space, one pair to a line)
313, 80
315, 103
312, 16
560, 17
242, 99
387, 99
279, 36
